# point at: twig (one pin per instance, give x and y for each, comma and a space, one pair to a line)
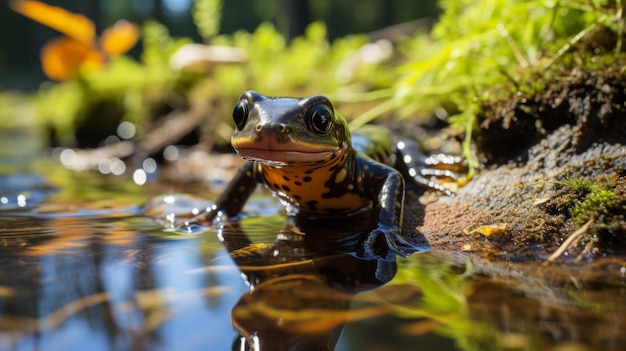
570, 241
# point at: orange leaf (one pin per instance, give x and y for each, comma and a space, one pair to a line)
71, 24
63, 58
119, 38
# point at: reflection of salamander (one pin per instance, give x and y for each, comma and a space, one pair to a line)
303, 151
300, 289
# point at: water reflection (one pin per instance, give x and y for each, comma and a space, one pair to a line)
23, 190
89, 277
83, 268
85, 276
301, 288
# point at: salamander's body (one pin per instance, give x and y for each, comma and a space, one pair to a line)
303, 151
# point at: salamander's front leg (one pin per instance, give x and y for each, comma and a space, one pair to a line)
389, 185
232, 200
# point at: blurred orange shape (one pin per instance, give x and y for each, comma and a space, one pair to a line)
119, 38
63, 57
71, 24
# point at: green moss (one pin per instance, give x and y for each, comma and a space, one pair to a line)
594, 204
597, 199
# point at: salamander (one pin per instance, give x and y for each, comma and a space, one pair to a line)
304, 152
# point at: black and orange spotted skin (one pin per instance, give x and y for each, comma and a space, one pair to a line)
301, 149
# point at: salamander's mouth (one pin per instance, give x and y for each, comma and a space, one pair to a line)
281, 156
270, 151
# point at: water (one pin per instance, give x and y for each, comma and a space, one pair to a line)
84, 268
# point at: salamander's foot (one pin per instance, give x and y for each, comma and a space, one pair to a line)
387, 243
383, 242
430, 172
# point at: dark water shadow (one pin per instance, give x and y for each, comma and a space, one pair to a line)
302, 284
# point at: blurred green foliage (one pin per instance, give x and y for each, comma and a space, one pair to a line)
479, 44
207, 15
306, 65
126, 88
479, 50
443, 299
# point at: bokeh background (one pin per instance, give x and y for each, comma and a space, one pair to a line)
23, 38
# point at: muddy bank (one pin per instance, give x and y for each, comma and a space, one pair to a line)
554, 165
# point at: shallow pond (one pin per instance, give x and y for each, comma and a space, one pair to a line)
84, 268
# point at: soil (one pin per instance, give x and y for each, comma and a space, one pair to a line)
524, 203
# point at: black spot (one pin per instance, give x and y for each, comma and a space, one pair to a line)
309, 171
286, 188
275, 186
307, 179
297, 197
335, 210
286, 178
312, 204
297, 183
335, 193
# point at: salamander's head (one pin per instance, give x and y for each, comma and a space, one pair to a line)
287, 131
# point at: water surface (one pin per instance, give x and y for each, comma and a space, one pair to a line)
83, 267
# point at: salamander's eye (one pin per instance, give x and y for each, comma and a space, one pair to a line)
320, 119
240, 114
